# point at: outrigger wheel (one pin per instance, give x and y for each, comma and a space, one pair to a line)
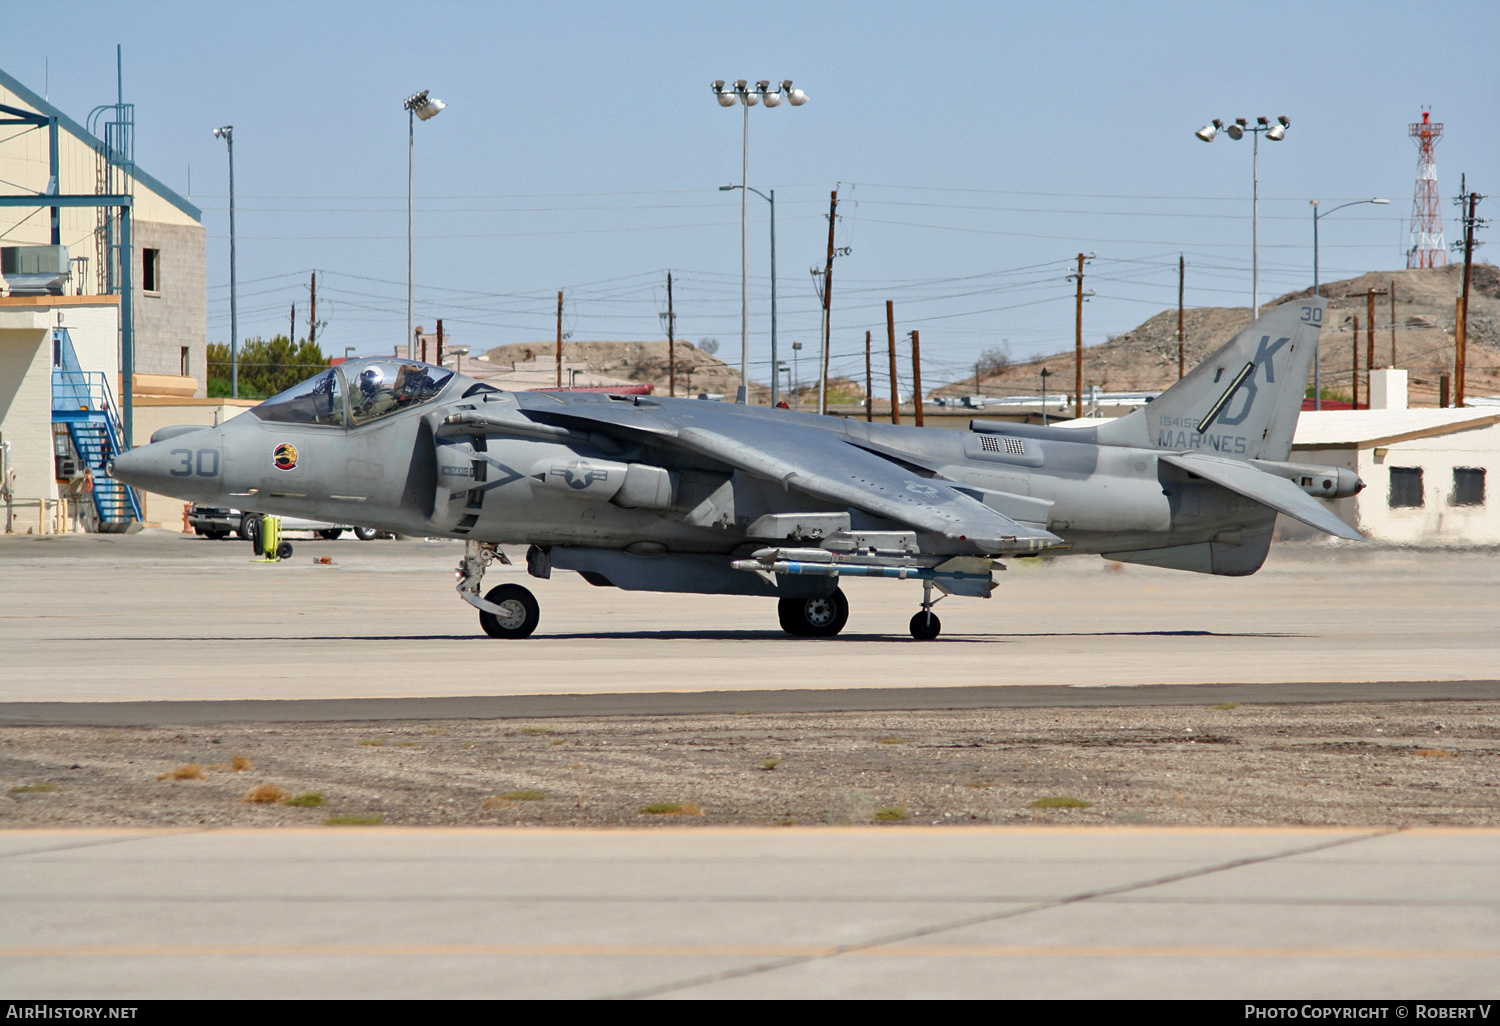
520, 616
814, 617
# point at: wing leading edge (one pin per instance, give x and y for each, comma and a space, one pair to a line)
825, 465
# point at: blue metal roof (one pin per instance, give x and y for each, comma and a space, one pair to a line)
41, 106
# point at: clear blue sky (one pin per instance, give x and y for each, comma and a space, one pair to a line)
979, 147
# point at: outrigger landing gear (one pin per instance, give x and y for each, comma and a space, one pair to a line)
509, 611
925, 625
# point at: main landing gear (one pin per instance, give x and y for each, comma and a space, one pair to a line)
814, 617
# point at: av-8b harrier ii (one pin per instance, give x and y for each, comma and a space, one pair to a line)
685, 495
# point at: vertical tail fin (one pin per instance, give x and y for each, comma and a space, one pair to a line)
1243, 401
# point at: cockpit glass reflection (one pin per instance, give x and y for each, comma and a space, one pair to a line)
318, 400
379, 388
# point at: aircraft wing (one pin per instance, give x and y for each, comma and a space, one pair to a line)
1276, 492
822, 464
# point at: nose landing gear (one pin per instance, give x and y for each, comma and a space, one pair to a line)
509, 611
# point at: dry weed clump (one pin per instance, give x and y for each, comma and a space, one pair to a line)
187, 771
265, 794
239, 764
670, 809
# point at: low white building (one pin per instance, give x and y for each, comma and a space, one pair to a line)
1426, 471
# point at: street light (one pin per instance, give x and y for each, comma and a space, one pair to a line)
1317, 291
771, 199
1275, 133
796, 348
227, 134
418, 105
748, 96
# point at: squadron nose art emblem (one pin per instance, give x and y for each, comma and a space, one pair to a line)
286, 456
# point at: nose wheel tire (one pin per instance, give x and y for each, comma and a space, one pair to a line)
814, 617
925, 625
520, 616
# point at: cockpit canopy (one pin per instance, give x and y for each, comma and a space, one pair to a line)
356, 392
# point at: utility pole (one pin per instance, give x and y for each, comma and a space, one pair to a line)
291, 332
559, 338
916, 373
1470, 223
1181, 279
1354, 386
1370, 295
1078, 342
1391, 288
439, 353
312, 317
890, 336
671, 341
833, 206
1459, 350
869, 384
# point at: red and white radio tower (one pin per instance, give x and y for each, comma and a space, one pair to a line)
1427, 249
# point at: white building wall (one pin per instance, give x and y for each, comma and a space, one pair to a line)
1437, 520
26, 408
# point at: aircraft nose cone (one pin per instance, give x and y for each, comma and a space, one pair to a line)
188, 467
133, 467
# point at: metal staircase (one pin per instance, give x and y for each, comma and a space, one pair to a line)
82, 401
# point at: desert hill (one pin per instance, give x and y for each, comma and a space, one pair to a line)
1145, 358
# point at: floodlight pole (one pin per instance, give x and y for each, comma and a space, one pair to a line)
1276, 132
227, 134
411, 136
748, 96
428, 107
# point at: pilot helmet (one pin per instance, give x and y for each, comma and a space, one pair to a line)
371, 379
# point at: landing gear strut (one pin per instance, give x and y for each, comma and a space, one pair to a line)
509, 611
925, 625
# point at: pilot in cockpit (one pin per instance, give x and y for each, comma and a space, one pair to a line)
375, 397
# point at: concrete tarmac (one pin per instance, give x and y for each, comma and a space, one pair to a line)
164, 617
1016, 912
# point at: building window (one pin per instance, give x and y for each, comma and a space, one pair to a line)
186, 363
151, 270
1406, 487
1468, 486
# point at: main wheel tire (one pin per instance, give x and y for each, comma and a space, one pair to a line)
925, 625
814, 617
365, 533
284, 550
520, 618
332, 534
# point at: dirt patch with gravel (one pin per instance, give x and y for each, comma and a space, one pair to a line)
1417, 763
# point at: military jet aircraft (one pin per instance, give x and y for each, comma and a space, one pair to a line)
684, 495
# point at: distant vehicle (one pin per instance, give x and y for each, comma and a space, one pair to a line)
216, 522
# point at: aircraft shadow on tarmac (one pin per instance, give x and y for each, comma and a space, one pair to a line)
719, 635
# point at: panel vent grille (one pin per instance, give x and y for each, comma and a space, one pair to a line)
1010, 446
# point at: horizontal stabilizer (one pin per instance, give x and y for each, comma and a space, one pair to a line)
1278, 493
